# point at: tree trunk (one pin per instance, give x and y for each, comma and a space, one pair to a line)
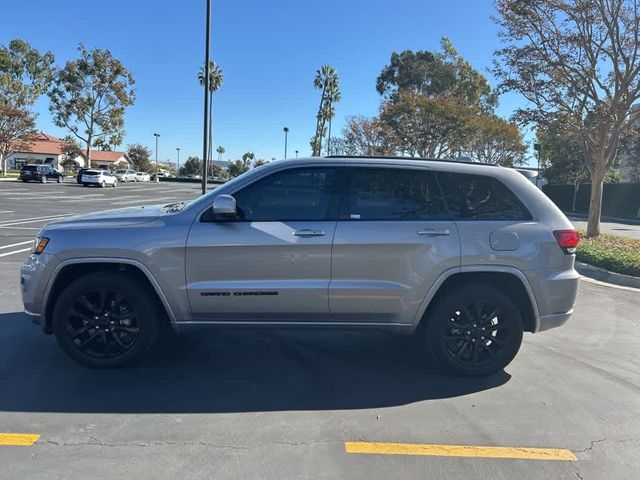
88, 152
3, 162
595, 203
210, 133
576, 187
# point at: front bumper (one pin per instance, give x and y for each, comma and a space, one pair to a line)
34, 275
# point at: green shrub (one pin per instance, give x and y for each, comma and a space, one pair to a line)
613, 253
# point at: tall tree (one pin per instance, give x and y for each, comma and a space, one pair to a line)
192, 166
333, 95
216, 78
437, 127
495, 141
17, 131
561, 157
578, 62
140, 157
90, 95
25, 74
433, 74
326, 80
367, 137
238, 167
220, 150
71, 150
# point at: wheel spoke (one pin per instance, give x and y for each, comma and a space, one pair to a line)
461, 349
487, 348
107, 351
118, 341
84, 301
75, 333
88, 340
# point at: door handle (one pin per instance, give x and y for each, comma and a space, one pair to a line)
436, 232
308, 233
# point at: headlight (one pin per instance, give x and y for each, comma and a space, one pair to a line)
39, 245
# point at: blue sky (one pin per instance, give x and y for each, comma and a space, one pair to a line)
269, 52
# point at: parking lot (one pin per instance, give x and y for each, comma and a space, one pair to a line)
297, 405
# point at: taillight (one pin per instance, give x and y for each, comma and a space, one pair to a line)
567, 239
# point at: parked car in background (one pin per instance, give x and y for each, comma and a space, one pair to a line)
143, 177
100, 178
40, 173
79, 174
126, 175
465, 256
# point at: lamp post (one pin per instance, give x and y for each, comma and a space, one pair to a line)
286, 133
178, 161
296, 153
157, 135
536, 148
205, 143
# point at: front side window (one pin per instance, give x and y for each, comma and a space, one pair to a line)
394, 194
300, 194
479, 197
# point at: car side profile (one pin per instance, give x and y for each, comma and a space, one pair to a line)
100, 178
143, 177
466, 257
40, 173
126, 175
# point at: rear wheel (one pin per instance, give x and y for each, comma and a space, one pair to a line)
59, 179
114, 184
474, 330
103, 184
105, 320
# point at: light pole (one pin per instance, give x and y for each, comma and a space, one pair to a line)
286, 133
205, 143
178, 161
536, 148
157, 135
296, 153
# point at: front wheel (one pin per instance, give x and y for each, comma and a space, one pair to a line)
102, 185
114, 184
106, 319
44, 179
474, 330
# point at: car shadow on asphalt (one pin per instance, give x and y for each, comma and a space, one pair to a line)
221, 371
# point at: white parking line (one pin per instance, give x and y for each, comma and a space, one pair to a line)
33, 220
15, 244
14, 252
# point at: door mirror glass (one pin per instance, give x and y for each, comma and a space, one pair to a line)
224, 206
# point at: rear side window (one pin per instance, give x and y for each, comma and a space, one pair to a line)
478, 197
393, 194
29, 168
300, 194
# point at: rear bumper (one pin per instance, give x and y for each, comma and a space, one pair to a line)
554, 320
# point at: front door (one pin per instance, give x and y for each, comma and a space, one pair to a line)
272, 263
393, 239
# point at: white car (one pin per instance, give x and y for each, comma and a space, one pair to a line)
98, 177
125, 175
143, 177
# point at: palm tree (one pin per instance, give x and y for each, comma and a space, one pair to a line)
333, 95
326, 78
216, 78
220, 150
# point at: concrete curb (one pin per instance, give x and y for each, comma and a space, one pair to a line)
607, 276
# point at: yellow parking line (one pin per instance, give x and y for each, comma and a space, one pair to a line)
18, 439
526, 453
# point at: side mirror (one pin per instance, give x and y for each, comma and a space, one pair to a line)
224, 206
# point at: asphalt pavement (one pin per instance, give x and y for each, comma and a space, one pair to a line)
296, 405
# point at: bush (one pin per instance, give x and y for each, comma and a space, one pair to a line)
613, 253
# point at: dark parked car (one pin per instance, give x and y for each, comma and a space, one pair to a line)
40, 173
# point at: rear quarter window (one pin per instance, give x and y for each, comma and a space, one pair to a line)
481, 198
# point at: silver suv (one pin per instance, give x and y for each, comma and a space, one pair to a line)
466, 256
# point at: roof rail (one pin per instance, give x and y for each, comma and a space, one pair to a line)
395, 157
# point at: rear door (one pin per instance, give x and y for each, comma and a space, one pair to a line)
273, 262
392, 240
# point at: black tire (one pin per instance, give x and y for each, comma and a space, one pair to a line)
106, 319
474, 330
43, 179
102, 185
59, 179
